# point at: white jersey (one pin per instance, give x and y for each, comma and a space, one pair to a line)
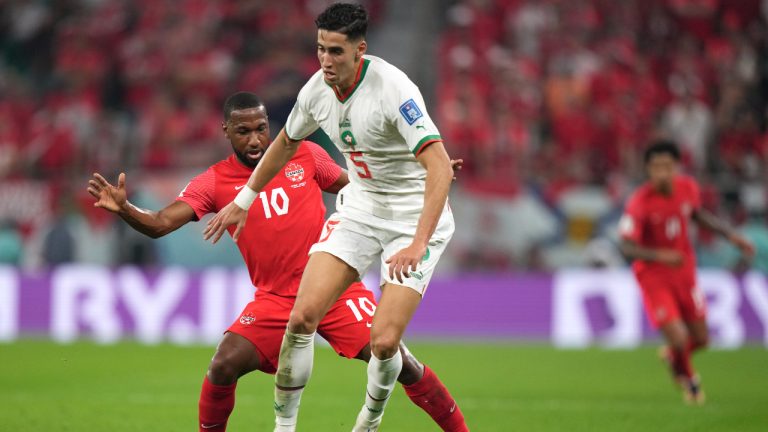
380, 126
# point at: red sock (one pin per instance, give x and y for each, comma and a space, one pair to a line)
681, 362
216, 403
431, 395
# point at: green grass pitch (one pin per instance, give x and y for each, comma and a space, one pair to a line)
500, 387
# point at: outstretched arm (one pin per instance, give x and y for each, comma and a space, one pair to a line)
712, 222
439, 177
151, 223
277, 155
632, 250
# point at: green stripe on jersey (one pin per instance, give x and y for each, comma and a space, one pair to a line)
425, 140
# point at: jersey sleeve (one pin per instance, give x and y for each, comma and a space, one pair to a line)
631, 222
408, 112
695, 193
300, 123
326, 170
199, 194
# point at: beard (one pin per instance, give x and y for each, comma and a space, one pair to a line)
250, 163
245, 160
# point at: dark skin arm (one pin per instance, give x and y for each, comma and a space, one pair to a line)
711, 222
151, 223
674, 258
632, 250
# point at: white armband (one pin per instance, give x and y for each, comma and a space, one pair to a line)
245, 198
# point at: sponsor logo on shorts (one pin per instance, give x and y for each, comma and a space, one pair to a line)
411, 111
295, 172
247, 319
426, 256
418, 275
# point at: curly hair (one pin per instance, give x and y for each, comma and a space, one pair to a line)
240, 101
662, 147
346, 18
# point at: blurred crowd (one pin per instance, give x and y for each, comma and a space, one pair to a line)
556, 99
549, 102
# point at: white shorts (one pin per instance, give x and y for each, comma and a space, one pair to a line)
357, 239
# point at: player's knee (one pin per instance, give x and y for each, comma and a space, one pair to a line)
302, 322
700, 342
385, 345
222, 371
412, 371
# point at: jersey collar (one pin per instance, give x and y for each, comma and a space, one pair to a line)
361, 70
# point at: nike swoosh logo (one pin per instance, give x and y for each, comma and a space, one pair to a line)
453, 408
368, 325
239, 187
205, 426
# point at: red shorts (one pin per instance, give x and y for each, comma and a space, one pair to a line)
346, 326
672, 296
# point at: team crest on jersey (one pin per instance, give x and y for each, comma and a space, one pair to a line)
247, 319
411, 111
295, 172
348, 139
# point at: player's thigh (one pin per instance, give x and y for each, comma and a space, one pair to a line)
235, 356
325, 278
347, 325
262, 322
419, 279
344, 252
396, 307
675, 333
698, 332
659, 300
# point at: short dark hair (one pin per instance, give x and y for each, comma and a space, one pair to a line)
240, 101
662, 147
346, 18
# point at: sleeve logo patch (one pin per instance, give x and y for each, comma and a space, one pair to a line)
410, 111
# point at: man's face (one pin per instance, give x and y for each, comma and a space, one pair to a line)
248, 132
339, 57
662, 169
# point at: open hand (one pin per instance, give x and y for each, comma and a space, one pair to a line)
745, 246
232, 214
108, 196
456, 164
405, 261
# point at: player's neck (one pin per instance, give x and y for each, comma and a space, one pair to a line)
345, 86
661, 190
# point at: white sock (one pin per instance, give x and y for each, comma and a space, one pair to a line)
382, 377
293, 370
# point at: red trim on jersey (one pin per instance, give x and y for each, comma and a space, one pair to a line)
351, 89
427, 144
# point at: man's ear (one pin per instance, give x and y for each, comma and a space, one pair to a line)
362, 47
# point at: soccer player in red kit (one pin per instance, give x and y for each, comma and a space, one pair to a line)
654, 232
274, 245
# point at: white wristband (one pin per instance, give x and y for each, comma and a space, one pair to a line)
245, 198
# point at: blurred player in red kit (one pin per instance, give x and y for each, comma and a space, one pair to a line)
275, 246
654, 232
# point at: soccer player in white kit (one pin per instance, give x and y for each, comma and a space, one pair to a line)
394, 208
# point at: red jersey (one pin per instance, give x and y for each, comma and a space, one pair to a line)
284, 221
654, 220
